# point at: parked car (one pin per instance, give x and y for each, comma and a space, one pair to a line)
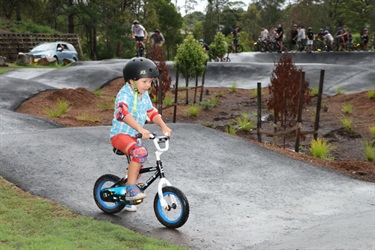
58, 50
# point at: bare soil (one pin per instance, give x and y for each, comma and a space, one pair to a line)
89, 109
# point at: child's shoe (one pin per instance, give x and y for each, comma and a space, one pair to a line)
131, 208
134, 193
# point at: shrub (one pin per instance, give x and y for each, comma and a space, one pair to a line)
340, 91
321, 149
168, 101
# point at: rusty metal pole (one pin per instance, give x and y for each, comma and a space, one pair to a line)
259, 113
319, 104
300, 105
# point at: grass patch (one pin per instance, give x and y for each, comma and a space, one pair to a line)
245, 123
347, 124
340, 91
371, 94
86, 117
30, 222
58, 110
347, 108
5, 69
314, 91
372, 131
321, 149
230, 130
105, 105
193, 110
233, 88
369, 150
168, 101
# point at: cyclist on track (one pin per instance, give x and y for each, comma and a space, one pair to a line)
157, 38
329, 38
235, 38
139, 33
204, 45
133, 107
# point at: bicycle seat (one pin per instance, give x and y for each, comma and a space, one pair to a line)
118, 151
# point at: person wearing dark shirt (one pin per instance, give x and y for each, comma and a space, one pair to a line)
279, 38
310, 39
294, 37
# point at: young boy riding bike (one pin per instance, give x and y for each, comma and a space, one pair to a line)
132, 107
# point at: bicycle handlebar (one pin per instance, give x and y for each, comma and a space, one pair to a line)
157, 140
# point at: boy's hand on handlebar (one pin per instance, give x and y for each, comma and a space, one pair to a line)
145, 133
167, 131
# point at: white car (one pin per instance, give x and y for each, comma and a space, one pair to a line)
58, 50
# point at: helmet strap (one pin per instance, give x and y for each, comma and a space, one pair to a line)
135, 96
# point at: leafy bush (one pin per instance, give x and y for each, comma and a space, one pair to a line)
371, 94
347, 108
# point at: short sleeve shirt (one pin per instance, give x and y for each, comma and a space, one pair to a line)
137, 109
139, 30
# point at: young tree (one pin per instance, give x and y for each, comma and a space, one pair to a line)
191, 60
284, 92
219, 47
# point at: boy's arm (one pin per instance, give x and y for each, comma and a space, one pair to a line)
156, 118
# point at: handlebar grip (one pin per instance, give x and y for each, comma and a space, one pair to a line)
139, 136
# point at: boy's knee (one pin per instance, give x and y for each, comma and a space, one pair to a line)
139, 154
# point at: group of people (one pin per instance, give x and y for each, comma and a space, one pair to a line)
300, 38
139, 34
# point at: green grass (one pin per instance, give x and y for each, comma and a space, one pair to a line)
340, 91
58, 110
5, 69
105, 105
347, 108
371, 94
193, 110
31, 222
321, 149
347, 124
233, 88
168, 101
245, 123
369, 150
372, 131
314, 91
230, 130
86, 117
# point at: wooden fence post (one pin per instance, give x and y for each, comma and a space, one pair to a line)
300, 105
319, 104
259, 113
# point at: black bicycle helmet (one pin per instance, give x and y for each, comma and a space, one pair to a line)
135, 22
139, 67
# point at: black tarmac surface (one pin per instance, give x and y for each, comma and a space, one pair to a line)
242, 196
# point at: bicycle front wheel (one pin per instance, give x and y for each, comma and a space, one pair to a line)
177, 211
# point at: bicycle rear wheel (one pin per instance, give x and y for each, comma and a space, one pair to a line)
106, 181
239, 48
177, 211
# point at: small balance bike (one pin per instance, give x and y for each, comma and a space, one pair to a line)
171, 206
